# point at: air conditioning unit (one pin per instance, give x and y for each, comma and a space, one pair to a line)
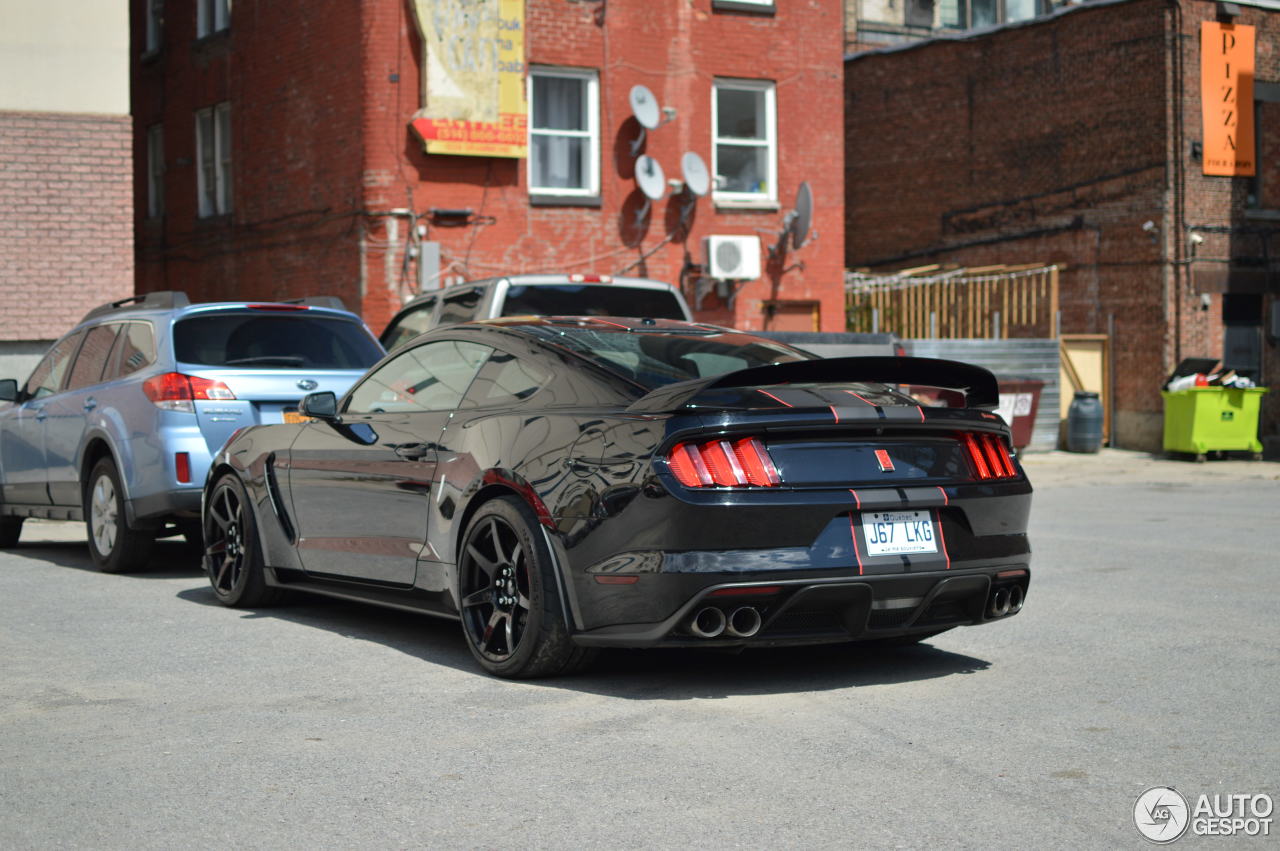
732, 258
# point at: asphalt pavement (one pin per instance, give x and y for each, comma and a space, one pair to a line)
135, 712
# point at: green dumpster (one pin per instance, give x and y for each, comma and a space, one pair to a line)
1212, 419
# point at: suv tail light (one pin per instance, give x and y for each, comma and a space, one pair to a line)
174, 391
988, 455
723, 462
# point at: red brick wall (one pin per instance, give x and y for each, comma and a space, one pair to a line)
1219, 210
295, 83
676, 48
65, 206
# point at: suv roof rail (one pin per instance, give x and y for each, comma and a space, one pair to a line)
162, 300
331, 301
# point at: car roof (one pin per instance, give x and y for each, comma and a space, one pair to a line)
177, 303
543, 280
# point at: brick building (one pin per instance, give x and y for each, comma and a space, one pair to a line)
283, 153
1078, 138
66, 202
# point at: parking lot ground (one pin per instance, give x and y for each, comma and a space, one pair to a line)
135, 712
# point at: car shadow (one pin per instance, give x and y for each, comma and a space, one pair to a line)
661, 674
171, 559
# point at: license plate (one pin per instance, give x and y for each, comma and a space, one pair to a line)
897, 532
294, 417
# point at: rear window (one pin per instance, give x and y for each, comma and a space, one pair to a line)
285, 341
654, 359
591, 300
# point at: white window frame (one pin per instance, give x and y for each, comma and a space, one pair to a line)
770, 141
155, 25
212, 16
591, 78
155, 171
213, 160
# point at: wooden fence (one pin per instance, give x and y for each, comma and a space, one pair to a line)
934, 302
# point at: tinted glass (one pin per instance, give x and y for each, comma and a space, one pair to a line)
591, 300
135, 348
460, 308
433, 377
46, 378
413, 323
93, 356
505, 380
287, 341
654, 359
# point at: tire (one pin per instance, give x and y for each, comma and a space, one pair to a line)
114, 546
10, 529
507, 596
232, 552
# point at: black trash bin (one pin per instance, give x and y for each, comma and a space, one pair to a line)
1084, 422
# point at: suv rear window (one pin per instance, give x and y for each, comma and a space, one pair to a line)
289, 342
591, 300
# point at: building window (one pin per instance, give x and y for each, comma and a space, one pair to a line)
743, 5
212, 16
745, 141
972, 14
213, 155
564, 133
155, 171
155, 25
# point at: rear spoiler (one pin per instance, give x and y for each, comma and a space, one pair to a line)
978, 385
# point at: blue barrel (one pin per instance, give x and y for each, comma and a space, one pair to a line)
1084, 423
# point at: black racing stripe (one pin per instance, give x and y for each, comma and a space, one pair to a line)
902, 496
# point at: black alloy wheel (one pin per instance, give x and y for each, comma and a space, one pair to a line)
232, 557
510, 610
495, 585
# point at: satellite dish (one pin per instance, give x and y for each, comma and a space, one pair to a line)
802, 216
649, 176
644, 106
696, 177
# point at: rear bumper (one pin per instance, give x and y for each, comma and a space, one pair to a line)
184, 502
835, 609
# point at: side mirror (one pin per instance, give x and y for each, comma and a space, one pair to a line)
322, 406
8, 390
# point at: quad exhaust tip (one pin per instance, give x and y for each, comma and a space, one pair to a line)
1016, 596
743, 622
709, 622
1000, 602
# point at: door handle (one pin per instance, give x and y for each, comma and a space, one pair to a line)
90, 404
416, 451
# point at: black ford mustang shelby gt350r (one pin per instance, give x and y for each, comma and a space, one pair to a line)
564, 484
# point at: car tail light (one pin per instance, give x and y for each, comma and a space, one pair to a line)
723, 462
591, 279
988, 455
174, 391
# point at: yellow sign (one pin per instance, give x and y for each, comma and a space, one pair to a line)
473, 78
1226, 98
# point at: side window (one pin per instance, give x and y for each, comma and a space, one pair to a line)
47, 377
89, 364
135, 348
505, 380
411, 324
433, 377
461, 307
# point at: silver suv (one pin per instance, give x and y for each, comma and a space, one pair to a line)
118, 422
536, 295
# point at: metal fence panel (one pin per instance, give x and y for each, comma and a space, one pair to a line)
1009, 359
